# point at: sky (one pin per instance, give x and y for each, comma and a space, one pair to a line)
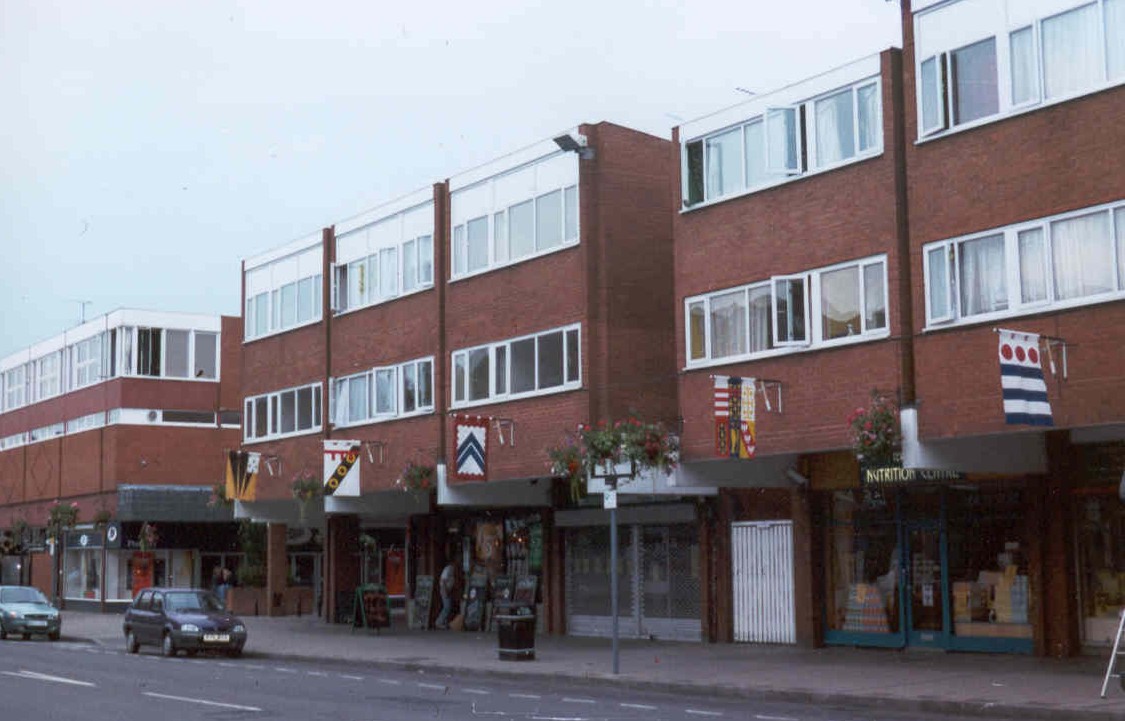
146, 148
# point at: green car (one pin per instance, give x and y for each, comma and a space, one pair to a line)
25, 610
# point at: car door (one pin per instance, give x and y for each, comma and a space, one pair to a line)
158, 619
140, 617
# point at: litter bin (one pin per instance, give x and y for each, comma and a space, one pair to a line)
515, 627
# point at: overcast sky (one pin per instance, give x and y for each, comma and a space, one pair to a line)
147, 147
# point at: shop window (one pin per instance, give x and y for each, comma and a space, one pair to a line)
863, 563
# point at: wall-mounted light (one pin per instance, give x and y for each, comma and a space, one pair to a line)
575, 142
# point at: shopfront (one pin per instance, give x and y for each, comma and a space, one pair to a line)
930, 560
658, 571
1099, 538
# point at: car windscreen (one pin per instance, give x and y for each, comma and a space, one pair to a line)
22, 595
191, 601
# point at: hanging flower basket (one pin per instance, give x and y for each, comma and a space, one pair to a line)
416, 477
148, 537
101, 518
306, 488
218, 498
646, 446
61, 517
874, 431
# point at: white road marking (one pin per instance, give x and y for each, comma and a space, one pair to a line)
435, 686
390, 681
351, 678
227, 664
322, 674
283, 670
523, 695
775, 718
35, 676
253, 666
204, 702
567, 699
642, 706
697, 712
477, 691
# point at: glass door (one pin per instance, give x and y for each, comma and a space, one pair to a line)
926, 599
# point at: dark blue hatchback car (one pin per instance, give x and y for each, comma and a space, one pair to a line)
182, 619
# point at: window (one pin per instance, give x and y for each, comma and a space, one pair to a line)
1063, 260
380, 393
282, 413
86, 362
176, 354
189, 417
1048, 58
172, 353
516, 231
522, 366
283, 293
771, 315
148, 351
782, 142
15, 387
47, 376
206, 355
386, 273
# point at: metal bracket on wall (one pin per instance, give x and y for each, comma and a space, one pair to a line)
375, 449
500, 424
273, 464
764, 387
1051, 344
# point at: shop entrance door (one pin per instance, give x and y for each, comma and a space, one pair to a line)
925, 597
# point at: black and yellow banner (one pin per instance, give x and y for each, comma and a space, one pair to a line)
242, 475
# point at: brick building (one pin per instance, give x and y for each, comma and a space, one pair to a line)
525, 296
868, 231
126, 417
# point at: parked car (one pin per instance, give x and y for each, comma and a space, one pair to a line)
182, 619
25, 610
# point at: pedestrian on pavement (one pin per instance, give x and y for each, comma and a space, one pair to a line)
447, 586
224, 586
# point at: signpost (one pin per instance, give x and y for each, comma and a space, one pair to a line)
609, 501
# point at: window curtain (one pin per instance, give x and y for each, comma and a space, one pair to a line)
983, 286
697, 346
1115, 37
1024, 72
340, 403
931, 96
1082, 256
1033, 266
1119, 222
1071, 56
760, 327
728, 324
870, 120
874, 297
835, 132
724, 166
975, 82
839, 301
755, 144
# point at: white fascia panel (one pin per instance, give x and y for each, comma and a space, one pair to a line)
790, 95
292, 248
15, 360
418, 221
471, 202
385, 232
168, 319
352, 246
506, 163
956, 25
424, 196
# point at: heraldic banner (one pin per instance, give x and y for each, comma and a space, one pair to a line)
735, 433
341, 468
242, 475
472, 448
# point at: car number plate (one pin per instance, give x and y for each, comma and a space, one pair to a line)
37, 624
216, 638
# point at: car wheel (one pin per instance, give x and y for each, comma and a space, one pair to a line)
3, 632
54, 635
131, 644
168, 646
27, 637
191, 653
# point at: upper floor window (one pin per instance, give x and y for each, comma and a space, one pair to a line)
171, 353
283, 294
15, 387
817, 307
48, 370
979, 61
384, 393
544, 362
1060, 261
520, 214
384, 260
283, 413
842, 125
86, 361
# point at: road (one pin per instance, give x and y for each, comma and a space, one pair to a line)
85, 682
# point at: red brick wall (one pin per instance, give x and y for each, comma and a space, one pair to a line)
160, 455
812, 222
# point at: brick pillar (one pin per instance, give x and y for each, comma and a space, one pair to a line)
341, 567
277, 568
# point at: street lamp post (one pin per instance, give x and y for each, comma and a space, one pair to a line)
611, 480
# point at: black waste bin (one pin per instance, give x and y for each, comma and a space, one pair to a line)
515, 627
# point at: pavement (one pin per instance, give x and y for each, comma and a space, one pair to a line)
986, 685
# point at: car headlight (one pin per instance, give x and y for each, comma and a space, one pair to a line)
189, 628
14, 614
239, 628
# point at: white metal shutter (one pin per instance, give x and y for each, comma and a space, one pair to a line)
762, 580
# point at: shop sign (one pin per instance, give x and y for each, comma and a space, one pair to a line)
84, 539
894, 474
113, 535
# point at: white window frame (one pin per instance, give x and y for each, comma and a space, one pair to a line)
459, 242
1016, 306
16, 391
272, 309
371, 375
373, 277
815, 336
494, 394
273, 404
1002, 34
52, 377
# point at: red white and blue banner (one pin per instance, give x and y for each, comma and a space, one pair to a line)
735, 432
472, 448
1021, 380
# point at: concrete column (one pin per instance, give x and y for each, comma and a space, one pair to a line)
277, 568
341, 568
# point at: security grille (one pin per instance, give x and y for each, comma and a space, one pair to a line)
762, 571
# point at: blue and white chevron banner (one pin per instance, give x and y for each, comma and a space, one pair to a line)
1021, 380
472, 448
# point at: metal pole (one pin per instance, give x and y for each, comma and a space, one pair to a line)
613, 582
